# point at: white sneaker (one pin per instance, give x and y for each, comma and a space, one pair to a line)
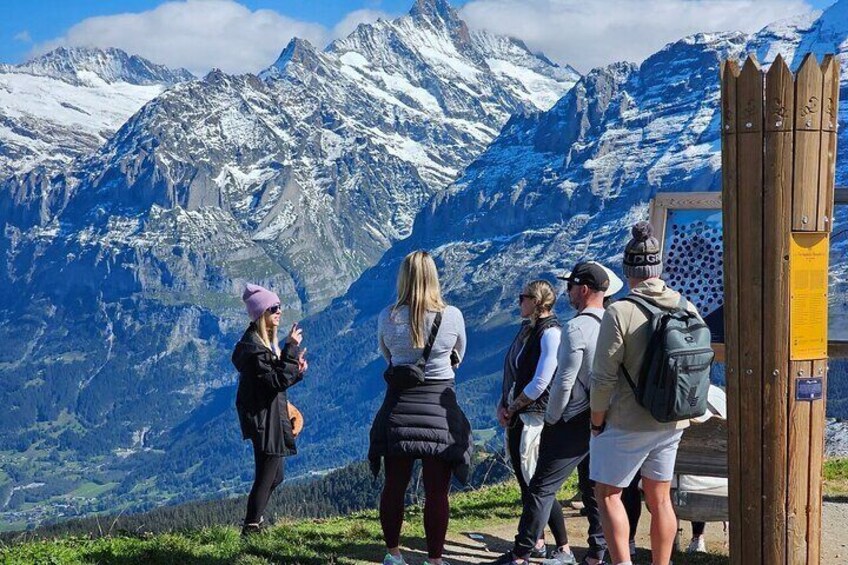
697, 545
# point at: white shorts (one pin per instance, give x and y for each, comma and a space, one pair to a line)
616, 455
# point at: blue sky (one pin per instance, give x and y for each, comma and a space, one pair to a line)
246, 35
44, 20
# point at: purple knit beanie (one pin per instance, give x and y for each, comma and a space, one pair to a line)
258, 299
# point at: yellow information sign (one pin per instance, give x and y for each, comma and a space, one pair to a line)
808, 259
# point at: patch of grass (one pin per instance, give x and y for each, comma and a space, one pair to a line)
348, 540
836, 478
91, 490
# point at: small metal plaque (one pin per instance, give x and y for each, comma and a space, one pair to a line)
808, 389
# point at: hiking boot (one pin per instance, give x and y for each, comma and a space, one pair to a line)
560, 557
539, 551
697, 545
390, 559
251, 529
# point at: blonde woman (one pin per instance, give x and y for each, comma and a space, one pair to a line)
529, 367
265, 373
419, 418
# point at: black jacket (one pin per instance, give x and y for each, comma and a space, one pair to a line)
261, 400
422, 421
530, 355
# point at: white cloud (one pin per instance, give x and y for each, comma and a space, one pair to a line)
592, 33
23, 37
365, 16
195, 34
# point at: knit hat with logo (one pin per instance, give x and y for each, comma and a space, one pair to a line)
642, 256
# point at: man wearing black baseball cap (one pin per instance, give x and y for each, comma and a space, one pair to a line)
565, 437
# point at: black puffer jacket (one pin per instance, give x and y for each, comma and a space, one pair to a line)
261, 400
422, 421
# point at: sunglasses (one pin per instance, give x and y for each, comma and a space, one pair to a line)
273, 309
521, 297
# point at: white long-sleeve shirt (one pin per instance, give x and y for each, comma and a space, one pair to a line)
547, 364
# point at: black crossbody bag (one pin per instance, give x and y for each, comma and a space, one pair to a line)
410, 375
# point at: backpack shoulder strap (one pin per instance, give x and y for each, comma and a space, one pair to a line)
431, 340
590, 315
646, 305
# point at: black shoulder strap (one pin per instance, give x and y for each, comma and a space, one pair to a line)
651, 309
591, 315
431, 340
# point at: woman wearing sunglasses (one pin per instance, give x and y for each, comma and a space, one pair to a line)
529, 366
265, 373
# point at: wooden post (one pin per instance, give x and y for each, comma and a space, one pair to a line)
730, 73
778, 160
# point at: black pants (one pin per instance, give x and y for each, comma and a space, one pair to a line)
268, 476
630, 498
562, 447
554, 517
437, 476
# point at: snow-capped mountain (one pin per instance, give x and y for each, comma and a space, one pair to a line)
300, 178
553, 188
326, 157
66, 103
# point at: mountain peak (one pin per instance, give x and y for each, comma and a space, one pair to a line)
76, 65
438, 13
298, 51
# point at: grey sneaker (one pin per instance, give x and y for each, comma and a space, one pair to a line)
560, 557
390, 559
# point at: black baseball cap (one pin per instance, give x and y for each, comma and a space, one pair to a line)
590, 274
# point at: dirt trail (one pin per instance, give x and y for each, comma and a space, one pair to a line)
484, 546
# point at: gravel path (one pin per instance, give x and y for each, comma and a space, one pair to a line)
484, 546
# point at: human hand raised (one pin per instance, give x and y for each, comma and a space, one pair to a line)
295, 336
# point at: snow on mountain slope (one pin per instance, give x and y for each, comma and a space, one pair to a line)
298, 179
66, 103
553, 188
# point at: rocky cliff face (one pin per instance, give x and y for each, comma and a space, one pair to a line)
132, 259
553, 188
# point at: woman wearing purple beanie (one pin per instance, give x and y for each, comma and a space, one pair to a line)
265, 373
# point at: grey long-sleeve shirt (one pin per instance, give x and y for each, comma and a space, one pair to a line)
569, 388
395, 340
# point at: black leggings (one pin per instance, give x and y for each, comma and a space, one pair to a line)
437, 477
556, 520
268, 476
698, 529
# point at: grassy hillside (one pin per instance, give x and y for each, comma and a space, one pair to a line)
347, 540
344, 540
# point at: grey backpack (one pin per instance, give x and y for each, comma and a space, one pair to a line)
675, 376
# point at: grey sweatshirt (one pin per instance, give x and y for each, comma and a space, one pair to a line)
395, 340
570, 385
